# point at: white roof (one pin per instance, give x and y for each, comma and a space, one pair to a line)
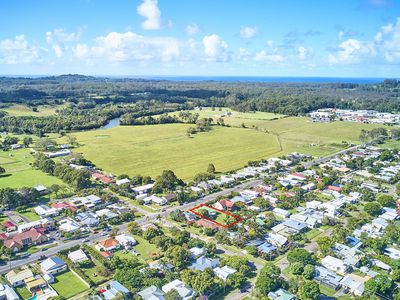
77, 256
224, 272
125, 239
143, 188
122, 181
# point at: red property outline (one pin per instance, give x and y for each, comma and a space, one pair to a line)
238, 219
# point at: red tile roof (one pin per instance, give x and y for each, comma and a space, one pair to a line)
33, 234
206, 224
226, 203
8, 224
334, 188
108, 243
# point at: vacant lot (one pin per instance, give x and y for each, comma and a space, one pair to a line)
148, 150
23, 110
19, 172
68, 285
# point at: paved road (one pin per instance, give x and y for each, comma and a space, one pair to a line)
323, 159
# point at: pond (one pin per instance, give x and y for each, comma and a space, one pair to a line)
112, 123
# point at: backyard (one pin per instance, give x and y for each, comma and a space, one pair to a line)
67, 284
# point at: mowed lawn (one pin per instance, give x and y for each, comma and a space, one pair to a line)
19, 172
67, 285
23, 110
148, 150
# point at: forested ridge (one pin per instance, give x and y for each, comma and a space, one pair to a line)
89, 102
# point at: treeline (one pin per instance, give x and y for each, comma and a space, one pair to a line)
82, 117
78, 179
284, 98
12, 198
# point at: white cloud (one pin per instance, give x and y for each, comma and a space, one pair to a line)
59, 39
352, 51
244, 55
270, 43
18, 51
60, 35
303, 53
389, 42
58, 51
384, 47
248, 32
269, 57
81, 50
129, 46
192, 29
215, 48
149, 10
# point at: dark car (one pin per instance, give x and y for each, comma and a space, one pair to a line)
42, 257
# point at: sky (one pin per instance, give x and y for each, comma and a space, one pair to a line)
341, 38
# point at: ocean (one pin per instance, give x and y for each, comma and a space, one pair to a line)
272, 79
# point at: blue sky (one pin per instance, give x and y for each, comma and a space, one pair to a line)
341, 38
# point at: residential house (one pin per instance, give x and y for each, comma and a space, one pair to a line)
7, 293
26, 238
125, 240
392, 253
53, 265
184, 291
282, 213
88, 219
152, 293
109, 244
327, 277
78, 256
224, 205
144, 189
335, 264
18, 278
41, 189
114, 289
350, 255
45, 224
68, 225
266, 248
353, 284
289, 227
203, 263
45, 211
155, 199
276, 239
122, 181
101, 177
106, 214
9, 226
225, 272
196, 252
281, 294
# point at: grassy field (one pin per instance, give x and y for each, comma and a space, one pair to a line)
208, 112
299, 134
68, 285
23, 110
148, 150
19, 172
